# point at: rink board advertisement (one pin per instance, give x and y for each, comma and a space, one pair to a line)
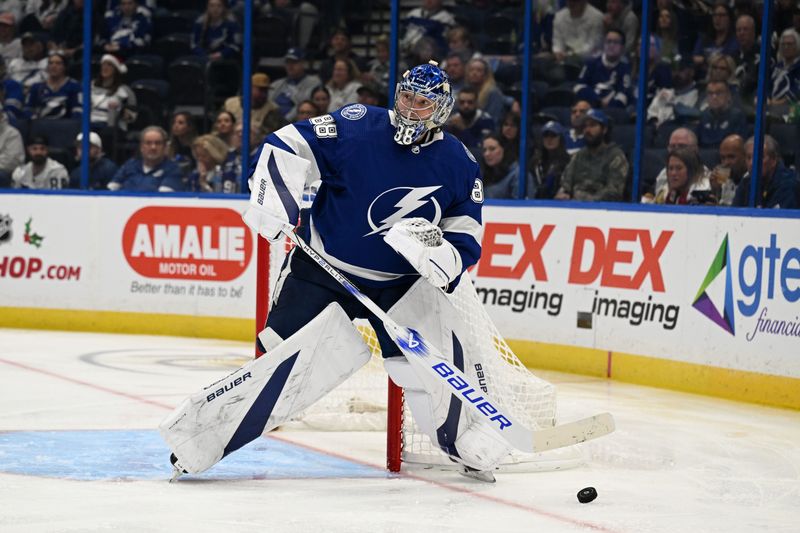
716, 291
163, 256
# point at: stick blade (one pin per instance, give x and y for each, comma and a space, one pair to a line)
573, 432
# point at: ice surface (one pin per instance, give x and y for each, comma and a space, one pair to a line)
79, 452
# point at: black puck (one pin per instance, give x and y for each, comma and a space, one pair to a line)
587, 495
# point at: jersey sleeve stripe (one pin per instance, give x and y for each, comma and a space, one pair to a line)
277, 142
292, 210
294, 139
462, 224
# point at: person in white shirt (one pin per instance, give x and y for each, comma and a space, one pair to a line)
32, 66
577, 30
10, 45
40, 172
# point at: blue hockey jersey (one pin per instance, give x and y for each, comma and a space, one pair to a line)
369, 182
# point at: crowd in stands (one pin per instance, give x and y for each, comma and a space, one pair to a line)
166, 108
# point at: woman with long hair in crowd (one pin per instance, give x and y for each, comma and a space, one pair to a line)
113, 102
216, 34
306, 110
321, 97
720, 38
500, 171
510, 133
667, 30
549, 160
225, 127
209, 152
182, 134
686, 180
490, 98
343, 85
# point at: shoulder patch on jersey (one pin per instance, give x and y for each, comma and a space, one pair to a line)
324, 119
469, 154
354, 112
477, 191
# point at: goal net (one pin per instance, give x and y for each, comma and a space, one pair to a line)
362, 403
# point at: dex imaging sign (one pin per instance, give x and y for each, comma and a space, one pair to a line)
761, 274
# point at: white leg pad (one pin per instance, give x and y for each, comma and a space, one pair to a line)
265, 392
458, 432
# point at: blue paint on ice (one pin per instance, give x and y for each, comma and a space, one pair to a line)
141, 454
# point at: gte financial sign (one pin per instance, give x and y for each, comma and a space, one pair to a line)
618, 258
759, 275
197, 243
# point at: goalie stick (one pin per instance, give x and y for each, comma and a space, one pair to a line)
423, 355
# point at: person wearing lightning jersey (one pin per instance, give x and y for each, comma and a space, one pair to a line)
375, 167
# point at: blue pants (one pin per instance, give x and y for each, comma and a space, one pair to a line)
307, 291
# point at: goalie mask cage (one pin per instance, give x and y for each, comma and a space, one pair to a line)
369, 401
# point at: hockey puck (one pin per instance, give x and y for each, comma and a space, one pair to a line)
587, 495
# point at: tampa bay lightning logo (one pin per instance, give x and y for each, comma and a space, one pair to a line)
403, 202
354, 112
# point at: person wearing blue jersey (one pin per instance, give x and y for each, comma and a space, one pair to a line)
59, 96
605, 81
376, 169
216, 33
153, 171
127, 29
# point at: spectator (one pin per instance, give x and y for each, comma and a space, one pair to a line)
306, 110
57, 97
470, 124
550, 158
101, 169
287, 92
343, 85
605, 81
500, 171
113, 102
679, 138
786, 74
659, 73
667, 31
459, 41
10, 45
13, 7
29, 68
574, 137
14, 96
747, 59
728, 174
42, 14
179, 144
67, 34
619, 16
426, 27
264, 114
368, 95
153, 170
322, 99
681, 101
720, 37
378, 67
721, 118
686, 182
455, 66
147, 5
340, 49
12, 151
490, 99
225, 127
232, 166
210, 152
722, 68
778, 187
216, 34
40, 172
127, 29
509, 133
577, 31
599, 170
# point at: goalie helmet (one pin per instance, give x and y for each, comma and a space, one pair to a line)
422, 102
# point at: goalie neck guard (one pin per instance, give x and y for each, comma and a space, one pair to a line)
422, 102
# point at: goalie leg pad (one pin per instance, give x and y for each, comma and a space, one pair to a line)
458, 432
265, 392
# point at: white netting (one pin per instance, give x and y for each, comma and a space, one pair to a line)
360, 403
